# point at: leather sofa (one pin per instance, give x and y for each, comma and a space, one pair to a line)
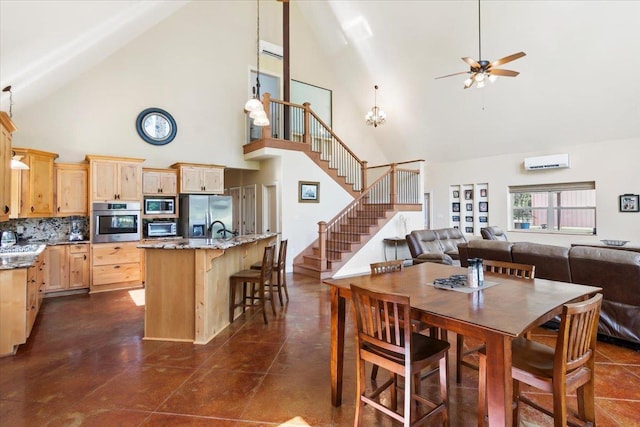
616, 271
439, 246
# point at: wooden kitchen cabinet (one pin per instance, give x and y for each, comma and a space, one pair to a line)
69, 268
21, 292
203, 179
32, 189
115, 266
115, 178
159, 182
6, 129
71, 181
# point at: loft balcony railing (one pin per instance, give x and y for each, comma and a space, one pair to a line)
298, 123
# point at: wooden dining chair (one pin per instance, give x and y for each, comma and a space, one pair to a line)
524, 271
279, 267
259, 282
385, 338
560, 370
386, 267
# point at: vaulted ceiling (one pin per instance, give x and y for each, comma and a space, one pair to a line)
578, 82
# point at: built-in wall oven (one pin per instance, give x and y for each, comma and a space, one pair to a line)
116, 222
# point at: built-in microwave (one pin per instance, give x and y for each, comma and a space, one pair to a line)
159, 206
161, 228
116, 222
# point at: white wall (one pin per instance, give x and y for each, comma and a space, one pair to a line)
589, 162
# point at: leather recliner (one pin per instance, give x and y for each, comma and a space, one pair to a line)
493, 233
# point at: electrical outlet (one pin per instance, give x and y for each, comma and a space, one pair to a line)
20, 229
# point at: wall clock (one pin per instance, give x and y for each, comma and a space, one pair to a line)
156, 126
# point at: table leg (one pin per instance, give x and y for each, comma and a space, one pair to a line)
337, 345
499, 380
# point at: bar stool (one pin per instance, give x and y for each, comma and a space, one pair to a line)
280, 268
262, 278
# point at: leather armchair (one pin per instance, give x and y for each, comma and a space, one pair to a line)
493, 233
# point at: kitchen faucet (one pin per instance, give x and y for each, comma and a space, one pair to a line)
224, 230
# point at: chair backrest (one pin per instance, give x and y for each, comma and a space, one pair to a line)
384, 324
386, 267
525, 271
282, 254
493, 233
267, 264
576, 341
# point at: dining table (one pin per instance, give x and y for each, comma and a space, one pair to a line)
503, 309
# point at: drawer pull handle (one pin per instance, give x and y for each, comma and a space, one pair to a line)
116, 266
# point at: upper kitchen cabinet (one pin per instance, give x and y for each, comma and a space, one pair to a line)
159, 182
115, 178
71, 189
32, 189
6, 129
202, 179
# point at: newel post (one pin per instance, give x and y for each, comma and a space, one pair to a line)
393, 196
363, 172
266, 104
322, 244
306, 137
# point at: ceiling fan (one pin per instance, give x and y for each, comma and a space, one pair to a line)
483, 70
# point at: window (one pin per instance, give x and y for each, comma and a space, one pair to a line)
548, 208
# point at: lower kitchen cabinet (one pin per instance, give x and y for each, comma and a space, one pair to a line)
69, 267
21, 293
115, 266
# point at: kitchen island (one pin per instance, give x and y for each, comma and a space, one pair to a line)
187, 284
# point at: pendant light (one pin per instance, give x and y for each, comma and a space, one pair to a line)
376, 116
254, 106
17, 163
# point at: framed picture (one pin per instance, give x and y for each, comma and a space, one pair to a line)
468, 229
456, 194
468, 195
468, 218
308, 192
482, 219
630, 203
469, 207
455, 218
483, 192
483, 207
455, 207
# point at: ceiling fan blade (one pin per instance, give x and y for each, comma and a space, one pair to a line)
454, 74
507, 73
471, 62
507, 59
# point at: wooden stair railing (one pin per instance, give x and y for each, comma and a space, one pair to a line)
306, 127
397, 189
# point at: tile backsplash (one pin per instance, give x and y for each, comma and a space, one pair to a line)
45, 229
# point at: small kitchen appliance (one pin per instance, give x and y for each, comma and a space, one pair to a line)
8, 238
75, 230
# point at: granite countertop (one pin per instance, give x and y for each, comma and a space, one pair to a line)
10, 261
207, 243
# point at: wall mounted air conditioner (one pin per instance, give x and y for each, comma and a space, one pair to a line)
271, 49
554, 161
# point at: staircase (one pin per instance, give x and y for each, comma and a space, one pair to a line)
373, 206
344, 242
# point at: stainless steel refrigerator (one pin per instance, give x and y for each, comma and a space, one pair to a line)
205, 216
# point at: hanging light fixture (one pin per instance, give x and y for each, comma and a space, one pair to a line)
254, 106
376, 116
8, 89
16, 163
